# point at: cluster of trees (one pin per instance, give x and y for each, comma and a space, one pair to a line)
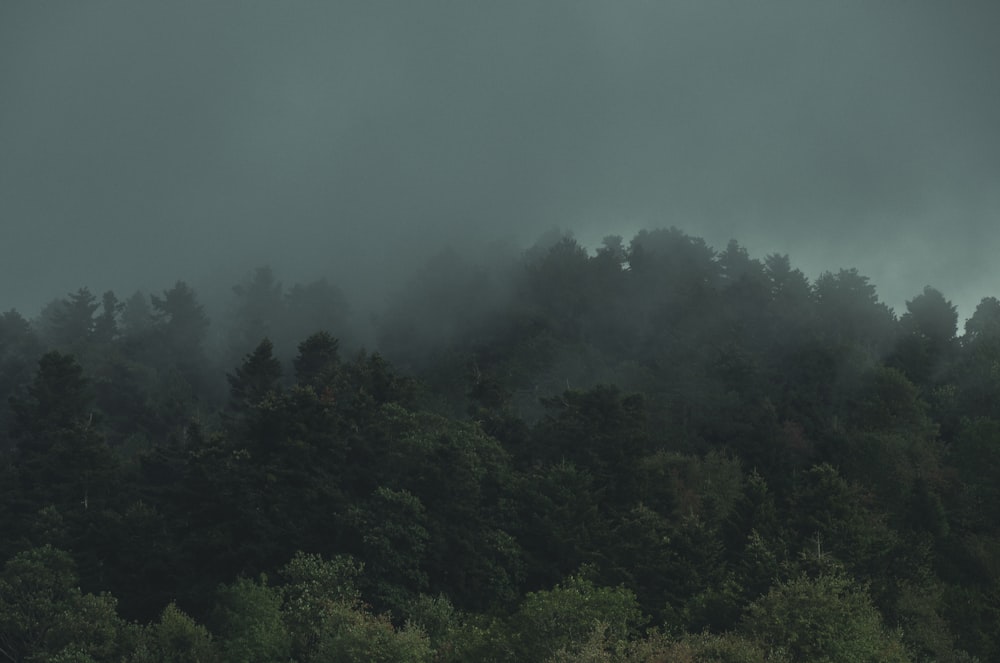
655, 452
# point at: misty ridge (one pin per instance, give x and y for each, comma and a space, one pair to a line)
608, 315
291, 372
591, 315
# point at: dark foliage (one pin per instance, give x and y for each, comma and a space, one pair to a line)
550, 457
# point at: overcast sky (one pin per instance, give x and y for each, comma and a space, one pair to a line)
142, 142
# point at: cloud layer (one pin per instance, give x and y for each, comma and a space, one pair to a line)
145, 142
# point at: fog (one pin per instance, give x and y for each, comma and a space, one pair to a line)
145, 142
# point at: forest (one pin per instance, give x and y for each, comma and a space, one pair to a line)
653, 452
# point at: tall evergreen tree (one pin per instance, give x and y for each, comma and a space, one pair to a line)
258, 376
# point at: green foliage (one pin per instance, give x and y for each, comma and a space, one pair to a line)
976, 455
933, 317
318, 363
850, 312
391, 530
315, 587
61, 458
35, 588
822, 619
58, 398
646, 558
248, 623
461, 476
553, 619
328, 622
43, 614
256, 378
355, 636
454, 636
176, 638
925, 630
927, 345
601, 431
560, 521
19, 350
887, 401
657, 648
833, 512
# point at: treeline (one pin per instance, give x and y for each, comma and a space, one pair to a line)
655, 452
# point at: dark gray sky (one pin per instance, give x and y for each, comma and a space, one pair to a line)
142, 142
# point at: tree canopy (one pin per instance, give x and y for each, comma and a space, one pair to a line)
653, 451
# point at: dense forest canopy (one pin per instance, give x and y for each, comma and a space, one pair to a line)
654, 451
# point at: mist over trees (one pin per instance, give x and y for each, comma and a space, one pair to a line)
657, 450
